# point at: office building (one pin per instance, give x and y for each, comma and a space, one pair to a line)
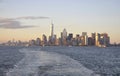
44, 40
104, 39
97, 39
84, 39
64, 37
38, 42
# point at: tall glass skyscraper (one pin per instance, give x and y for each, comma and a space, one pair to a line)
52, 30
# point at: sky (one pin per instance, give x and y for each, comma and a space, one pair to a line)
29, 19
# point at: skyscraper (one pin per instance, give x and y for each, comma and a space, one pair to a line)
38, 42
70, 38
77, 39
44, 40
64, 33
84, 38
104, 39
64, 37
52, 38
93, 38
52, 30
97, 39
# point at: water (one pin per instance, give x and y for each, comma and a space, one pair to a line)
60, 61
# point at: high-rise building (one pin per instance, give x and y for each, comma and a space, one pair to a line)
52, 30
84, 39
44, 40
93, 38
69, 39
97, 39
64, 37
64, 34
52, 36
32, 42
77, 39
38, 42
104, 39
90, 41
70, 36
55, 40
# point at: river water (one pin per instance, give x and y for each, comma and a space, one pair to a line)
59, 61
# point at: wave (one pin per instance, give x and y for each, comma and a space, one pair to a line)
43, 63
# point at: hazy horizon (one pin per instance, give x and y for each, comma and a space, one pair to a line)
28, 19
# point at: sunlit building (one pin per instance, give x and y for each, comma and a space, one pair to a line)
97, 39
84, 39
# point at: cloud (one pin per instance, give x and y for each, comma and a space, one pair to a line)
12, 24
33, 17
3, 20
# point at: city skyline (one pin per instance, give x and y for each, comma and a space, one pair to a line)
25, 20
66, 39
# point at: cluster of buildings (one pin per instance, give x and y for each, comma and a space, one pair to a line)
15, 43
67, 39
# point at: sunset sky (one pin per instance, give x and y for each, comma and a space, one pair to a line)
29, 19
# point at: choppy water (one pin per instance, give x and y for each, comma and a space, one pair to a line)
42, 63
61, 61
